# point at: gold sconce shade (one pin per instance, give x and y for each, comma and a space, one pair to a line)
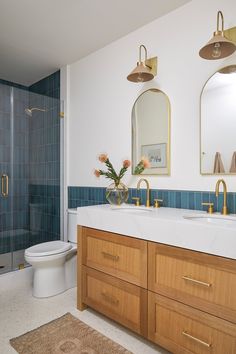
231, 69
219, 46
145, 70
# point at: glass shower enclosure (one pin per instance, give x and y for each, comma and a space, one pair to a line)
30, 128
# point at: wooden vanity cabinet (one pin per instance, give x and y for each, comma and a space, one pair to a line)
182, 300
119, 300
112, 277
200, 280
183, 329
117, 255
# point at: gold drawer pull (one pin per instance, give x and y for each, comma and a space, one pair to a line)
110, 298
111, 256
5, 185
208, 345
196, 281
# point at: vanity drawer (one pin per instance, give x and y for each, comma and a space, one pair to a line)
117, 255
184, 330
200, 280
121, 301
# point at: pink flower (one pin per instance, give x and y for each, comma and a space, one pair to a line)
126, 163
97, 173
103, 157
145, 161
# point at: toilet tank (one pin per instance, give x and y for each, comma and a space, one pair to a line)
72, 225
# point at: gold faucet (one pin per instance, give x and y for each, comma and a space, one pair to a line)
148, 190
224, 209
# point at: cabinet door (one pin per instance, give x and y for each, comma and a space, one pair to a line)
184, 330
123, 302
117, 255
200, 280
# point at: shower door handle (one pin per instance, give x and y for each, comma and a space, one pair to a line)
5, 185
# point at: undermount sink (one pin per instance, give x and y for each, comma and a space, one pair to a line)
131, 209
213, 219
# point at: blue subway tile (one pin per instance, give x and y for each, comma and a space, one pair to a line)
174, 199
178, 199
198, 201
191, 201
184, 200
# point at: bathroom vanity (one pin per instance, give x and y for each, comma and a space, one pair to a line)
180, 297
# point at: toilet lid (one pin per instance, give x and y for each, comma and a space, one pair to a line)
47, 248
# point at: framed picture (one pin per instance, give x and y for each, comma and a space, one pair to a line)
156, 153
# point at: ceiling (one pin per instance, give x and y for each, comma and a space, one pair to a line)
37, 37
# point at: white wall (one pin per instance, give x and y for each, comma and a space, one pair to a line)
101, 99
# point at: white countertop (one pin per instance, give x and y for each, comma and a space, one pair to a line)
164, 225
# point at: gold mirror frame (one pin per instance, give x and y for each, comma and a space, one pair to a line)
201, 153
136, 159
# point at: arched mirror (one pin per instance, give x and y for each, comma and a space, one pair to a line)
218, 123
151, 131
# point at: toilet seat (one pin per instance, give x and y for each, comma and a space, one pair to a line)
48, 249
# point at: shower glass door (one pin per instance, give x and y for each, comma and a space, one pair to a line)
30, 126
6, 217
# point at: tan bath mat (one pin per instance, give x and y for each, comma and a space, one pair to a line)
65, 335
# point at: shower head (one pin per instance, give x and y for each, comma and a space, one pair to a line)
29, 111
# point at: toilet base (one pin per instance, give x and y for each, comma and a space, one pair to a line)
53, 274
49, 281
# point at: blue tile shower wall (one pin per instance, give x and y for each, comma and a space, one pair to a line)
31, 214
13, 84
44, 141
14, 209
20, 172
84, 196
49, 86
5, 126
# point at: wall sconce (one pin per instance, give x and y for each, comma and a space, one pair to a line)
219, 46
145, 70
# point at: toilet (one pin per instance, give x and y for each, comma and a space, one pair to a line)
54, 262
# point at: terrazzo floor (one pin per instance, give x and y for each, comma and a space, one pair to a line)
20, 313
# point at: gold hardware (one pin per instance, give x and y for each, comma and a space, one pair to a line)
224, 209
21, 266
5, 185
137, 200
230, 34
219, 46
29, 111
111, 256
186, 334
145, 70
110, 298
136, 147
62, 115
210, 209
152, 64
199, 282
148, 190
157, 203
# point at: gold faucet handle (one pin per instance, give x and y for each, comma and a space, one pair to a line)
210, 207
137, 200
157, 203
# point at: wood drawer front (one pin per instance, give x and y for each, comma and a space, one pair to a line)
184, 330
203, 281
117, 255
123, 302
